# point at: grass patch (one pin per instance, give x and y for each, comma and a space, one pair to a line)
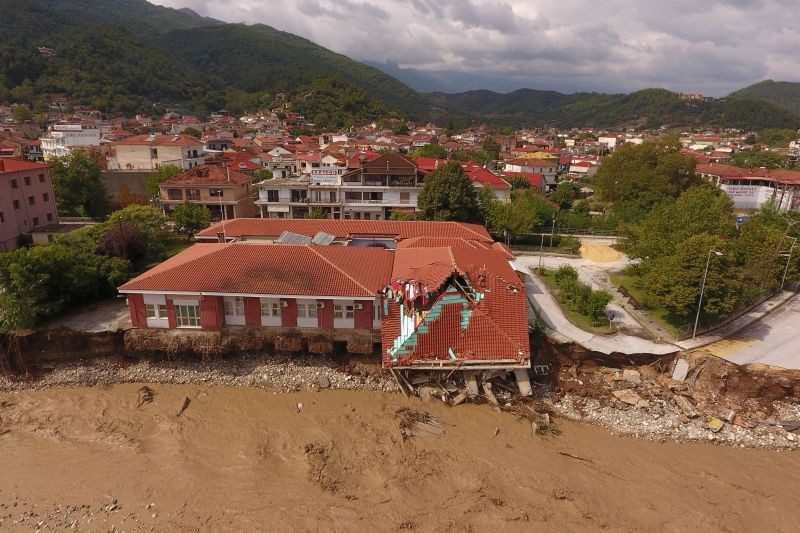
647, 302
584, 322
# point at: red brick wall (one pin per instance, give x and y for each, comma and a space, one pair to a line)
137, 310
211, 312
252, 311
171, 320
363, 317
289, 313
325, 314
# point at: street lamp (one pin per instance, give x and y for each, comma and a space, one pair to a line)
702, 288
788, 260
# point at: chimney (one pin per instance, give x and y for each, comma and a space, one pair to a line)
221, 236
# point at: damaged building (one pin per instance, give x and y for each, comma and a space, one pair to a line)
436, 296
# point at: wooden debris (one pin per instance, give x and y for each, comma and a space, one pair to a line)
186, 402
487, 392
416, 423
146, 395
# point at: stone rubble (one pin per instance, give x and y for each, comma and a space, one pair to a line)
275, 372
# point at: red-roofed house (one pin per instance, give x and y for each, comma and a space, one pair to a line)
454, 307
534, 179
445, 298
210, 286
223, 191
750, 188
26, 200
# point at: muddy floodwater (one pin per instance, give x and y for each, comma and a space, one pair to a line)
249, 459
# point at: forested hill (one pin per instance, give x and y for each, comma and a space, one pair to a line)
785, 94
129, 56
123, 56
649, 108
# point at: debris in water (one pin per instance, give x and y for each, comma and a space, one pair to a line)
186, 402
146, 395
416, 423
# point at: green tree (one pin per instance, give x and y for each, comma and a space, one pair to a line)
676, 280
637, 177
191, 218
491, 147
486, 202
447, 194
193, 132
400, 129
777, 137
78, 186
160, 174
760, 158
518, 182
261, 175
41, 281
430, 150
703, 209
513, 219
317, 213
21, 113
565, 193
596, 304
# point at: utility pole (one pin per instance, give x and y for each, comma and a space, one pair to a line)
702, 288
552, 232
788, 260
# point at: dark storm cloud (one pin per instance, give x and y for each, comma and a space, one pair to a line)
620, 45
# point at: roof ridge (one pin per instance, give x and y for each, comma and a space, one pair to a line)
345, 274
466, 225
143, 276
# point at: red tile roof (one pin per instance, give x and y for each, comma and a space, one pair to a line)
162, 140
534, 178
15, 165
733, 172
208, 175
399, 229
270, 269
490, 325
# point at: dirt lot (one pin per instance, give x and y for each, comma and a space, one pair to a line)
249, 459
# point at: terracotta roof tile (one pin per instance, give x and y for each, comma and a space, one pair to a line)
401, 229
246, 268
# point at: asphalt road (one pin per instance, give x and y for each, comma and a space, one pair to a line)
774, 340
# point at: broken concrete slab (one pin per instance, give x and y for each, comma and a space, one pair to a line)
680, 370
471, 382
632, 376
523, 382
487, 391
685, 406
629, 396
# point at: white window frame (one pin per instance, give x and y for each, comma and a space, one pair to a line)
344, 315
234, 310
274, 315
187, 316
307, 314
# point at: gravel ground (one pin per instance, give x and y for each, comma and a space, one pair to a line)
283, 374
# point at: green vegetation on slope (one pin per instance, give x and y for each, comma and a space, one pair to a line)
783, 94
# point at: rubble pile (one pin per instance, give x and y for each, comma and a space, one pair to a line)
645, 403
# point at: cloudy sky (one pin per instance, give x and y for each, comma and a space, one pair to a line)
709, 46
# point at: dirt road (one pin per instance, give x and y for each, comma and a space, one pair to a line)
248, 459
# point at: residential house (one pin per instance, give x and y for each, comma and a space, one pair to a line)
26, 200
226, 193
148, 152
63, 139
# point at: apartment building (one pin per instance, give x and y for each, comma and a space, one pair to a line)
26, 200
148, 152
224, 192
62, 139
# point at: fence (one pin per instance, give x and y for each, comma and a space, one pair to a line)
576, 231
